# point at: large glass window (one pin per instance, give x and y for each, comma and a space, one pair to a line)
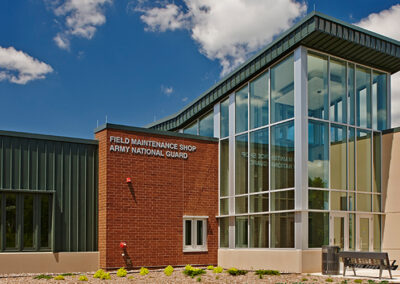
259, 231
191, 129
363, 97
259, 203
282, 230
224, 232
363, 202
352, 158
363, 160
224, 206
259, 90
317, 85
338, 200
318, 229
241, 232
351, 94
282, 200
28, 220
318, 154
377, 157
206, 125
224, 118
11, 221
241, 164
282, 90
195, 234
259, 160
379, 100
282, 155
337, 87
241, 205
318, 199
224, 167
241, 111
338, 160
45, 218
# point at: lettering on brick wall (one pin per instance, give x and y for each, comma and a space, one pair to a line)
150, 147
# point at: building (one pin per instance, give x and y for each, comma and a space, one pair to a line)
291, 151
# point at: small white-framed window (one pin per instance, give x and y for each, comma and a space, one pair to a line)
194, 233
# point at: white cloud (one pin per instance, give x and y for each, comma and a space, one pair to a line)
20, 68
226, 30
82, 17
167, 90
386, 23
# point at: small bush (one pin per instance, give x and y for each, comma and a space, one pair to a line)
143, 271
384, 282
234, 271
121, 272
304, 279
343, 282
210, 267
192, 272
371, 281
105, 276
59, 277
42, 276
358, 281
98, 273
198, 279
216, 277
83, 278
168, 270
218, 269
67, 274
328, 280
267, 272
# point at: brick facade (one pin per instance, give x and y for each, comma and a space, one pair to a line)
147, 214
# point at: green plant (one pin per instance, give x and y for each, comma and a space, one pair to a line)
343, 282
59, 277
384, 282
358, 281
105, 276
143, 271
83, 278
210, 267
216, 277
218, 269
67, 274
42, 276
234, 271
371, 281
198, 279
304, 279
131, 277
267, 272
192, 272
328, 280
121, 272
98, 273
168, 270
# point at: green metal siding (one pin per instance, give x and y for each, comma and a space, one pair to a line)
60, 166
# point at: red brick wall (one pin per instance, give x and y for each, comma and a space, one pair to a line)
147, 214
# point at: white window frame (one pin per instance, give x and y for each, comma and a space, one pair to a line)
194, 247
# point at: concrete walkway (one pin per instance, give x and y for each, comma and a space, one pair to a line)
367, 274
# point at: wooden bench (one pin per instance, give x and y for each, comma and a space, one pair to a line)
368, 260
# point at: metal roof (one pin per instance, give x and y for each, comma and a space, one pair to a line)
316, 31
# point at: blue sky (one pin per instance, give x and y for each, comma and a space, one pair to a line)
66, 64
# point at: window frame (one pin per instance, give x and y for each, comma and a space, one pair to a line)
194, 247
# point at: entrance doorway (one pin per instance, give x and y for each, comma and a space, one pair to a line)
364, 233
339, 230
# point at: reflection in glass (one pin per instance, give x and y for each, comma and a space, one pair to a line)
224, 167
259, 101
241, 205
224, 120
259, 160
241, 111
282, 90
376, 173
363, 202
206, 125
224, 206
191, 129
11, 221
259, 203
337, 87
45, 219
352, 159
377, 233
188, 232
224, 232
338, 159
199, 232
338, 232
282, 200
363, 160
364, 234
259, 231
318, 199
350, 94
338, 200
363, 96
282, 155
28, 221
318, 229
379, 100
317, 85
241, 163
282, 230
241, 231
318, 154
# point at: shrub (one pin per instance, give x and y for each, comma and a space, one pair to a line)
217, 277
218, 269
267, 272
144, 271
168, 270
198, 279
98, 273
384, 282
67, 274
121, 272
371, 281
343, 282
105, 276
59, 277
192, 272
358, 281
42, 276
304, 279
234, 271
328, 280
210, 267
83, 278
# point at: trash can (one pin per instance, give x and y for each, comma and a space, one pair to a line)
330, 260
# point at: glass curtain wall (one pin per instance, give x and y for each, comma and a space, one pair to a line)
263, 189
347, 109
204, 126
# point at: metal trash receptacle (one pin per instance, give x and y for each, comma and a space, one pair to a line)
330, 260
